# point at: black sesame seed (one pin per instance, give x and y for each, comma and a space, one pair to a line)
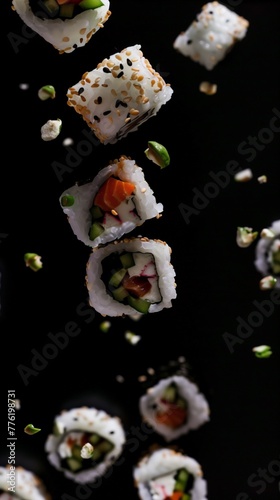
211, 12
97, 119
75, 46
121, 66
107, 112
75, 418
189, 42
106, 70
81, 90
99, 100
129, 62
120, 74
112, 432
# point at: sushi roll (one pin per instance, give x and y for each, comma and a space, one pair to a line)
82, 427
267, 257
174, 406
212, 35
167, 474
21, 484
116, 201
131, 276
66, 24
122, 92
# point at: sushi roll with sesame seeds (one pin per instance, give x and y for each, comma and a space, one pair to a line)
167, 474
85, 442
116, 201
65, 24
174, 406
212, 35
131, 276
19, 483
121, 93
267, 256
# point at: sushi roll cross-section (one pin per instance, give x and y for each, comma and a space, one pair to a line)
211, 35
267, 257
131, 276
84, 428
66, 24
18, 483
121, 93
166, 474
116, 201
174, 406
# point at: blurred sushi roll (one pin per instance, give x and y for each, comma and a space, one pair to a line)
212, 35
166, 474
116, 201
174, 406
131, 276
66, 24
121, 93
21, 484
267, 256
75, 430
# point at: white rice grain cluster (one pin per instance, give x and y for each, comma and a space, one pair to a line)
143, 198
264, 251
212, 35
118, 95
163, 462
198, 411
86, 420
104, 303
28, 485
64, 34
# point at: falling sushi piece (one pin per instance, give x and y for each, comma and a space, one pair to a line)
165, 474
21, 484
267, 256
129, 276
72, 430
211, 35
174, 406
121, 93
65, 25
115, 202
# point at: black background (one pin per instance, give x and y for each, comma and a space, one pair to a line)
216, 280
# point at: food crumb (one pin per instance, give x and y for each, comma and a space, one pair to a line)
131, 337
68, 141
244, 175
245, 236
105, 326
262, 351
262, 179
208, 88
87, 451
51, 129
120, 379
24, 86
